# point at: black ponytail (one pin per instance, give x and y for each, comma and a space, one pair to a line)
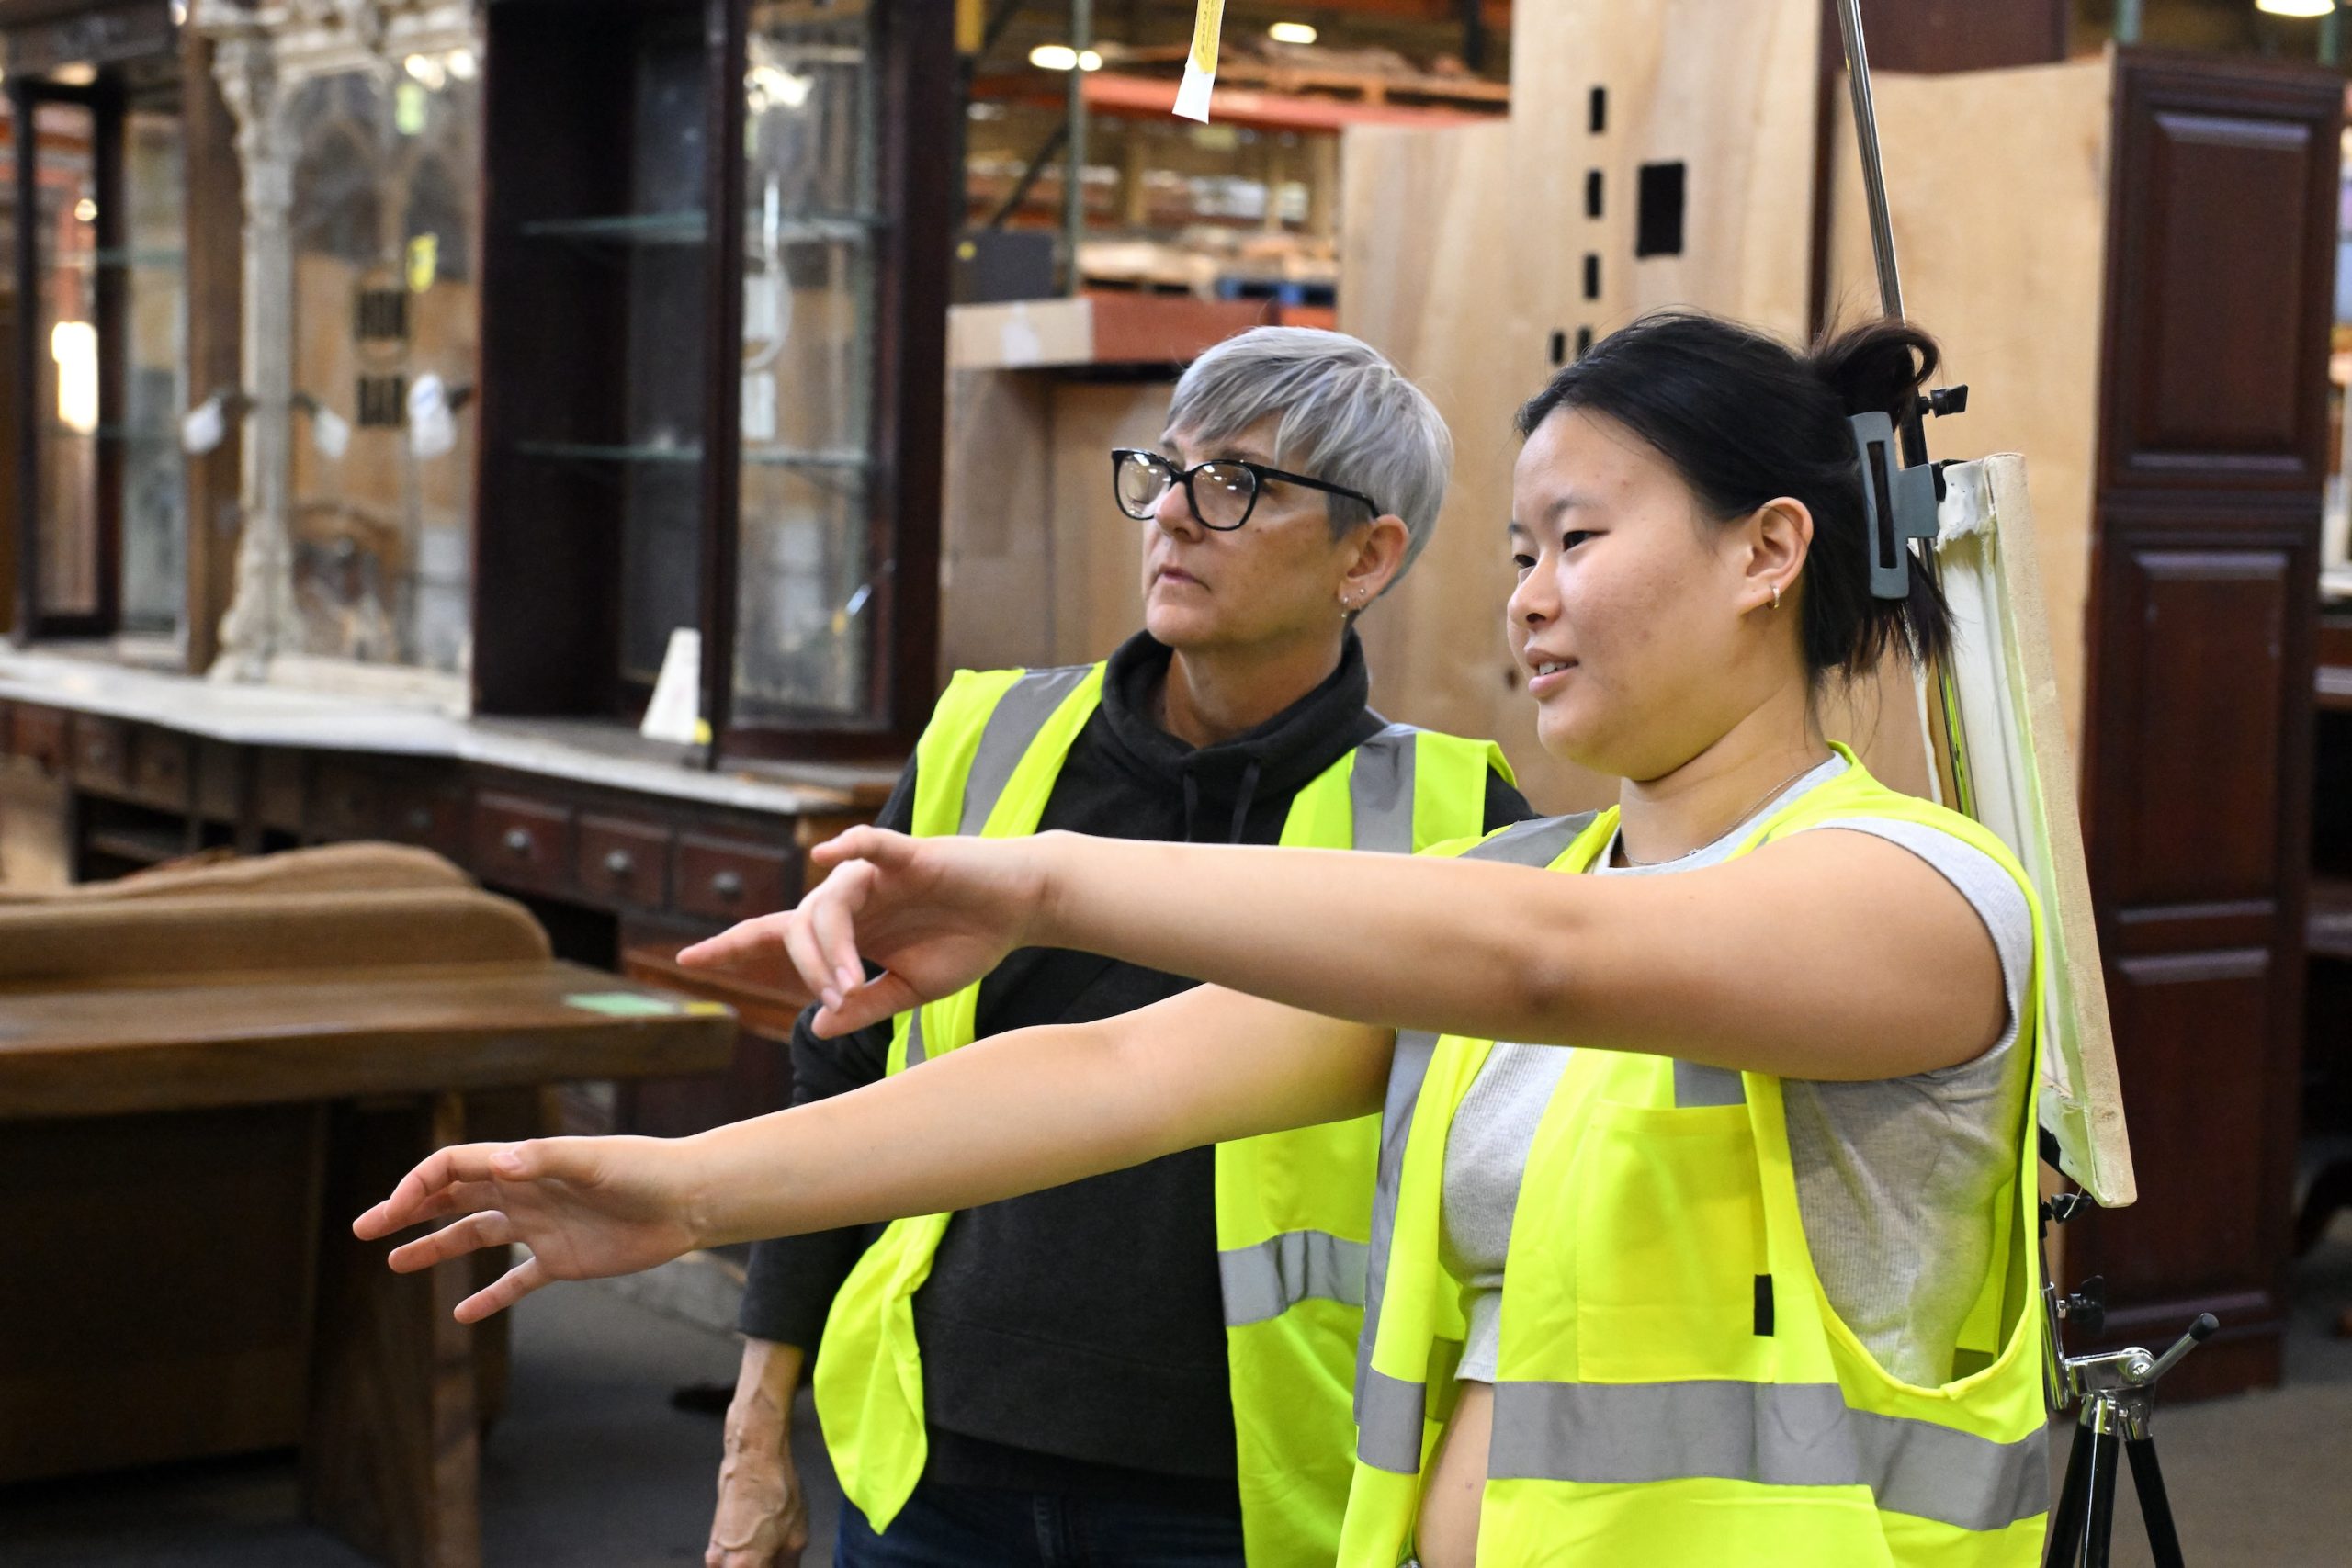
1744, 418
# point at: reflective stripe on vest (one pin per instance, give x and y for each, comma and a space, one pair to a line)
1777, 1433
1645, 1408
1268, 1280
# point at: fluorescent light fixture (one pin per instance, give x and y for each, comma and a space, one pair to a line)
2295, 7
1061, 57
1291, 32
80, 73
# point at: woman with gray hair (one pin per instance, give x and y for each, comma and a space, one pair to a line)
1150, 1367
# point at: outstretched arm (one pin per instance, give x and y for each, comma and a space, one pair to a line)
1827, 955
1012, 1114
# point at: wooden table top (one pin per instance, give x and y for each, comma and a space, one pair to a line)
181, 1043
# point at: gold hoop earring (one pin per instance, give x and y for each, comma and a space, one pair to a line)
1776, 597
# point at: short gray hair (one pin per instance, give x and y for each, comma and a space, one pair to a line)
1347, 415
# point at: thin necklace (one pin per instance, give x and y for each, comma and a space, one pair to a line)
1743, 816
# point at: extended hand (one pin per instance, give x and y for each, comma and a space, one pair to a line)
936, 914
586, 1207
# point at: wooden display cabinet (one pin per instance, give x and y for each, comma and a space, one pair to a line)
714, 318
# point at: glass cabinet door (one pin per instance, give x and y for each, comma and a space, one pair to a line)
386, 202
69, 565
804, 636
152, 349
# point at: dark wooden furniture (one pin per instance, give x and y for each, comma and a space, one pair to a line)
2197, 765
2326, 1187
227, 1127
642, 858
654, 457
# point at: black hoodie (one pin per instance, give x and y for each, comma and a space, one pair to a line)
1074, 1340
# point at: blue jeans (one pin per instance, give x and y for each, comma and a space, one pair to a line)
976, 1527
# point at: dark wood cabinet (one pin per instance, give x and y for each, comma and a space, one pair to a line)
2198, 728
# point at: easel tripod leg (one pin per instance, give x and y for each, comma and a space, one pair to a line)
2067, 1524
2098, 1528
2155, 1505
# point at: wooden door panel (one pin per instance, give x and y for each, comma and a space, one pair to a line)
2200, 748
2204, 1222
2222, 267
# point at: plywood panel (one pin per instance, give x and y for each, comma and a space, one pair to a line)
1425, 294
1726, 89
2017, 305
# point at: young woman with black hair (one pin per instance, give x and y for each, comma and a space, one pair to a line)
1703, 1233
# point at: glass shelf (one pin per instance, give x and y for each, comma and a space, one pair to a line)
783, 457
117, 257
586, 452
812, 228
627, 229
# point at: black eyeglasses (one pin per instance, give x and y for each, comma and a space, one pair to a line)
1222, 494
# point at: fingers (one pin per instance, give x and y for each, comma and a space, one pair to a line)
512, 1287
884, 997
833, 925
880, 845
490, 1228
433, 1188
755, 949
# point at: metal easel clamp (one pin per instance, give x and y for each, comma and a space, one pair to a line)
1900, 503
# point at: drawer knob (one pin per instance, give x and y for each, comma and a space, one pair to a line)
727, 885
518, 841
620, 865
418, 820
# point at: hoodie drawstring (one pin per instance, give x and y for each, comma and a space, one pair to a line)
1242, 802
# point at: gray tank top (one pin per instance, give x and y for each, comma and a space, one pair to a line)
1896, 1177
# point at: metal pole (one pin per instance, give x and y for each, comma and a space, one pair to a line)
2127, 22
1857, 78
1081, 39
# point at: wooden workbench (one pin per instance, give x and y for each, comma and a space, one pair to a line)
179, 1167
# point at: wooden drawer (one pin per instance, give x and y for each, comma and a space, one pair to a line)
278, 782
519, 842
161, 761
219, 780
43, 736
347, 801
101, 754
433, 817
624, 863
730, 879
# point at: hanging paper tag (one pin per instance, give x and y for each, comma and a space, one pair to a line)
432, 428
1200, 64
330, 433
203, 427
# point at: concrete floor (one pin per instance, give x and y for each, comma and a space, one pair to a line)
593, 1468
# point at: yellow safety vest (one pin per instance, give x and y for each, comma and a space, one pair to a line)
1294, 1209
1673, 1385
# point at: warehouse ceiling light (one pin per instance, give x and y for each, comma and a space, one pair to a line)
1291, 32
1061, 57
2295, 7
